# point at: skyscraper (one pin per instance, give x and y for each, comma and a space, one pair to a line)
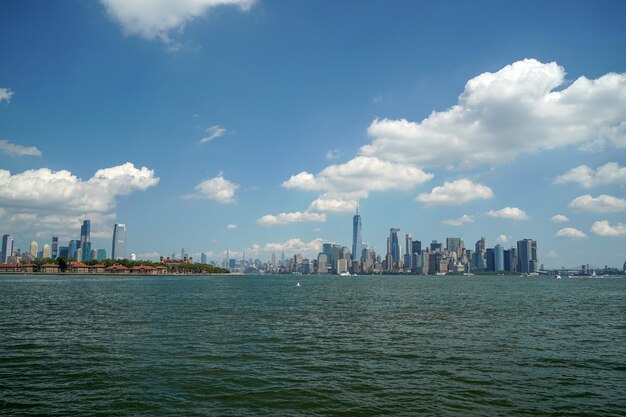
85, 231
527, 256
395, 245
72, 248
7, 248
46, 251
55, 247
34, 248
118, 251
453, 244
408, 246
357, 243
499, 257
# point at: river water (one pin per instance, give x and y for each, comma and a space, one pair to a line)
359, 346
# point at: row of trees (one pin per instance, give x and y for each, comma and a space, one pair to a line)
173, 268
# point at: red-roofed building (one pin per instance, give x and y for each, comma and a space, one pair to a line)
79, 268
49, 268
143, 269
9, 268
97, 269
28, 267
117, 269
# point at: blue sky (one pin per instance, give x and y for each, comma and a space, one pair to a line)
259, 125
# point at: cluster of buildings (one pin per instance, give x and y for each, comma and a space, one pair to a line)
77, 249
403, 255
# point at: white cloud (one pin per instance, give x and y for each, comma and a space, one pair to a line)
292, 246
218, 189
360, 174
460, 221
601, 204
509, 213
502, 239
570, 233
6, 94
455, 193
151, 19
61, 190
231, 226
65, 226
343, 185
294, 217
586, 177
12, 149
332, 154
213, 133
501, 115
559, 218
337, 202
603, 228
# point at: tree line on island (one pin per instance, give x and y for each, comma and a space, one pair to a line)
174, 268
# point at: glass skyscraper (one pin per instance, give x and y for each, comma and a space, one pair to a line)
395, 244
55, 247
7, 248
118, 251
357, 243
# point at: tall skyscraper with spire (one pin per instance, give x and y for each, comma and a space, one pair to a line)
357, 242
118, 251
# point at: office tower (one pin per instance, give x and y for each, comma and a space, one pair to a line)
490, 259
79, 254
395, 245
73, 247
273, 259
93, 256
118, 250
322, 263
435, 246
203, 258
416, 247
85, 232
34, 248
408, 246
7, 248
357, 242
102, 254
64, 252
453, 244
527, 256
86, 250
46, 251
55, 247
499, 257
481, 245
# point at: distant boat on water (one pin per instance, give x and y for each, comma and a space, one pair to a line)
344, 274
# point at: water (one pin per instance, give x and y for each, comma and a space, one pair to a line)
360, 346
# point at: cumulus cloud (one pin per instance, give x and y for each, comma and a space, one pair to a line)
570, 233
343, 185
586, 177
213, 133
509, 213
61, 190
295, 246
158, 18
293, 217
231, 226
459, 221
502, 239
218, 189
503, 114
12, 149
332, 154
601, 204
604, 228
559, 218
455, 193
43, 224
5, 94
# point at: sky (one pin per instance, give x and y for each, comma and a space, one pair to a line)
260, 125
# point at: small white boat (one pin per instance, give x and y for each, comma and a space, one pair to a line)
297, 284
344, 274
558, 277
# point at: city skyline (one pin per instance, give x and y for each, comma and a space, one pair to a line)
260, 126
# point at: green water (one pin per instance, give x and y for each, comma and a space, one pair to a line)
360, 346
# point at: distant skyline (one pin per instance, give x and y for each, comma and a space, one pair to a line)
259, 126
